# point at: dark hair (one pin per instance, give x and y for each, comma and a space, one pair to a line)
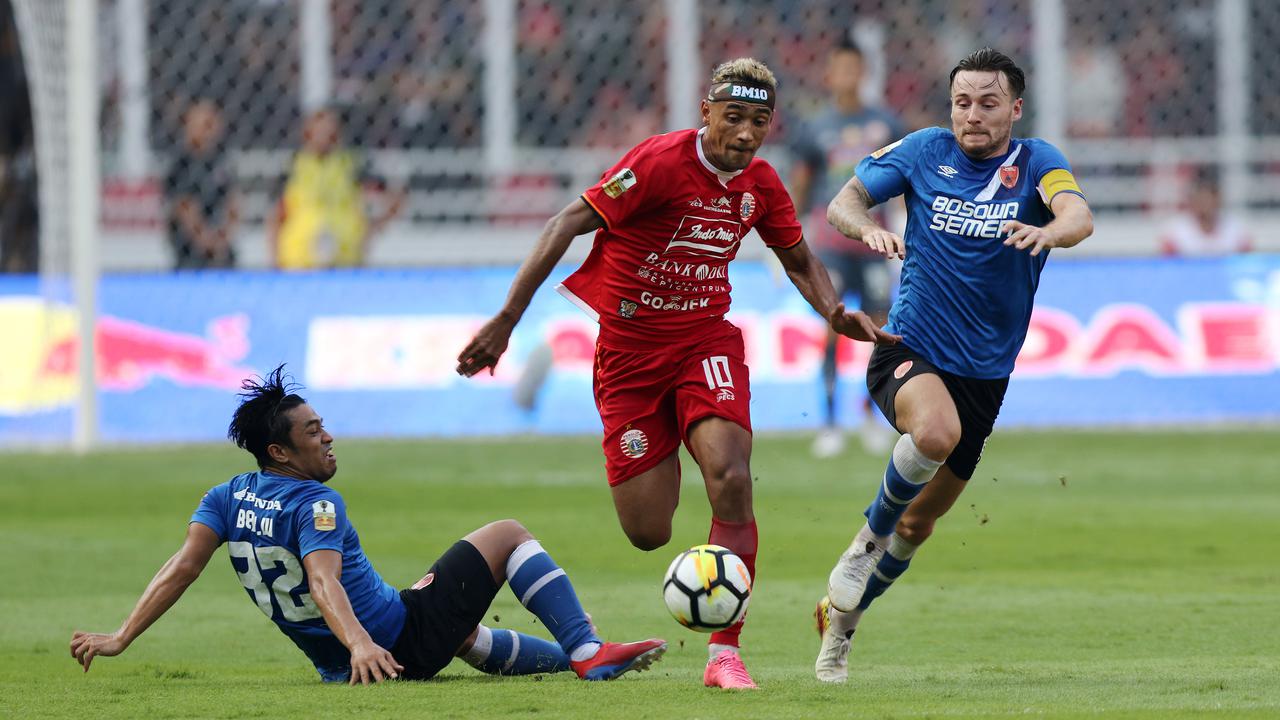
847, 44
1206, 177
989, 60
262, 418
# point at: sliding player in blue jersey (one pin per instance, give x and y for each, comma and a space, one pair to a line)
984, 209
299, 558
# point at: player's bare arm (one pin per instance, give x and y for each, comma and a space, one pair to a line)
850, 213
173, 579
1072, 223
813, 281
369, 661
491, 341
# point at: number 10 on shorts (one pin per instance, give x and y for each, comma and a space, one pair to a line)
716, 369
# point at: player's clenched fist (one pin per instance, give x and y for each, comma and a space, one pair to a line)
486, 347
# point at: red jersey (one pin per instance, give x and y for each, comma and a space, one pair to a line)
658, 271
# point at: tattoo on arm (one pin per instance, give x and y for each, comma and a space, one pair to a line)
848, 213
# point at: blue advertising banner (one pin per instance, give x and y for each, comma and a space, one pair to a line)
1111, 342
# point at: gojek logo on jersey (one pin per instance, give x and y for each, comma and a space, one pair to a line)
962, 217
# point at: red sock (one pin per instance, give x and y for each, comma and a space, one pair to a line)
743, 539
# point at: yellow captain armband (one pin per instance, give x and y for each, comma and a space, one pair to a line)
1056, 181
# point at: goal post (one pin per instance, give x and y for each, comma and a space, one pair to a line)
59, 47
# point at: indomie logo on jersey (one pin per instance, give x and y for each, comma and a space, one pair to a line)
714, 237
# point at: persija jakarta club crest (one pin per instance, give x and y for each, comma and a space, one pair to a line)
748, 206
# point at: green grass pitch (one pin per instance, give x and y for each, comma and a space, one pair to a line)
1126, 575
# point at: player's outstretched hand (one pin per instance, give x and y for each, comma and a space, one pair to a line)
884, 242
859, 326
86, 646
371, 662
486, 347
1023, 236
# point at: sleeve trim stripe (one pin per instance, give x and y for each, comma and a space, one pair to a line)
791, 244
608, 225
581, 304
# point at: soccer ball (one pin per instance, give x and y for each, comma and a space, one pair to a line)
707, 588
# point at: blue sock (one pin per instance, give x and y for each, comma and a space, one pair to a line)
908, 472
544, 589
894, 562
507, 652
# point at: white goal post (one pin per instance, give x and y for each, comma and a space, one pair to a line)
59, 47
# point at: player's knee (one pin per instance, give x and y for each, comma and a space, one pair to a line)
649, 538
937, 437
511, 531
915, 529
730, 490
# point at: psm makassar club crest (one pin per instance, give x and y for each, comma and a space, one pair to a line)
1009, 176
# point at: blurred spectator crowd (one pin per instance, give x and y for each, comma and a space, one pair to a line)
19, 207
408, 75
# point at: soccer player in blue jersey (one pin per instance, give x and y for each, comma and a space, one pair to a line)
984, 210
299, 558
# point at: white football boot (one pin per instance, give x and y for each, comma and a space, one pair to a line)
832, 665
849, 577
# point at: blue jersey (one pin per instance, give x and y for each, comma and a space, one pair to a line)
270, 523
965, 298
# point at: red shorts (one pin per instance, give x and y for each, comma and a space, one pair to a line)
648, 399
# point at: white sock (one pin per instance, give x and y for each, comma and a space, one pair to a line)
523, 552
844, 622
585, 651
914, 466
901, 549
479, 651
716, 648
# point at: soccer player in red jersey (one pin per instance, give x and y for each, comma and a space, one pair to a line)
669, 217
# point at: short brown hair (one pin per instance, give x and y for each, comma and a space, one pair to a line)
989, 60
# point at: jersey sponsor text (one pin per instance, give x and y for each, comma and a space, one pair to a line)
675, 302
715, 237
961, 217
